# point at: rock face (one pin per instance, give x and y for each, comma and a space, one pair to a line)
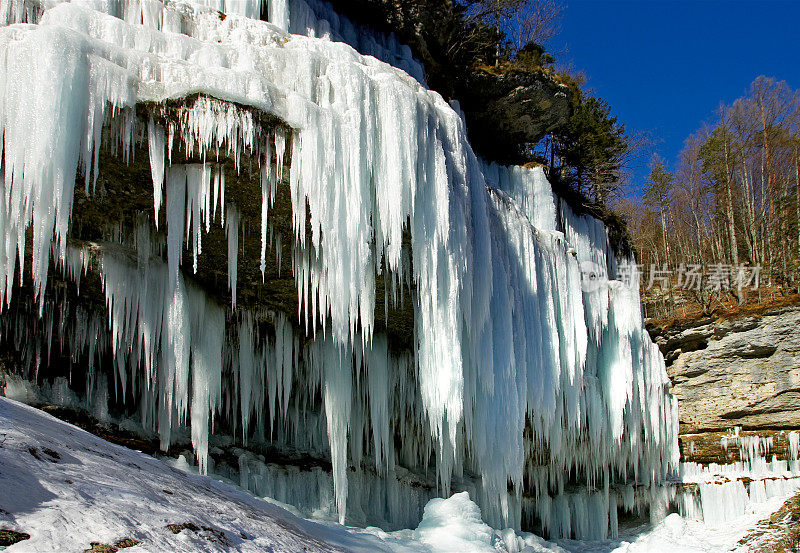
743, 372
510, 109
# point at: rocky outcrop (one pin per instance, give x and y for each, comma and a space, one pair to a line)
511, 109
506, 109
731, 447
743, 372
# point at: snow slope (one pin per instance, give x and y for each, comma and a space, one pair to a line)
67, 488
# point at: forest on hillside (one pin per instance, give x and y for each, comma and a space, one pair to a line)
725, 219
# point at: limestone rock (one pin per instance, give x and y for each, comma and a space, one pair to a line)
744, 372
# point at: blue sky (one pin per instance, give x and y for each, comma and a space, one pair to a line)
665, 65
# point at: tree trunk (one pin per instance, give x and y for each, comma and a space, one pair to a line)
764, 183
729, 208
664, 235
797, 191
750, 211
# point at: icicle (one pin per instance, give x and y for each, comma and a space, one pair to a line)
198, 212
279, 13
285, 347
232, 232
250, 378
218, 195
209, 323
176, 217
280, 152
155, 142
336, 366
265, 203
512, 358
377, 362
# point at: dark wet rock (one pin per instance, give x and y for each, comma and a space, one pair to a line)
10, 537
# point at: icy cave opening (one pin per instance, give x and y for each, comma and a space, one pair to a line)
220, 228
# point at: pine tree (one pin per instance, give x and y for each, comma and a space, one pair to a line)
658, 195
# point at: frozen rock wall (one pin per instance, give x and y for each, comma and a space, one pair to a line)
542, 394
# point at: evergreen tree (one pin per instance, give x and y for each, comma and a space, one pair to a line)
658, 195
591, 148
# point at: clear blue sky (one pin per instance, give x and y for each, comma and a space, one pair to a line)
665, 65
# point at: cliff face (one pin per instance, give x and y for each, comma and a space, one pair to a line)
512, 110
743, 372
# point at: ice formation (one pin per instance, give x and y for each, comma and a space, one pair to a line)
719, 493
545, 398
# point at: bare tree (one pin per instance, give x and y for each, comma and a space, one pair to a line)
735, 195
537, 21
522, 21
728, 183
689, 183
658, 195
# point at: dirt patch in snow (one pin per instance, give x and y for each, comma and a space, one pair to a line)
98, 547
211, 534
780, 533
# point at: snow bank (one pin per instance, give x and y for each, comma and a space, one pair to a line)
454, 525
67, 488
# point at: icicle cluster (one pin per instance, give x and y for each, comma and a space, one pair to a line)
723, 492
519, 373
313, 18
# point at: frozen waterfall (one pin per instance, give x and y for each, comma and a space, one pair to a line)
549, 402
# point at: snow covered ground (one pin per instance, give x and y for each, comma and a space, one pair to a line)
68, 488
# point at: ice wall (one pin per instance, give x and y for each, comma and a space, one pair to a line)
719, 493
313, 18
543, 392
